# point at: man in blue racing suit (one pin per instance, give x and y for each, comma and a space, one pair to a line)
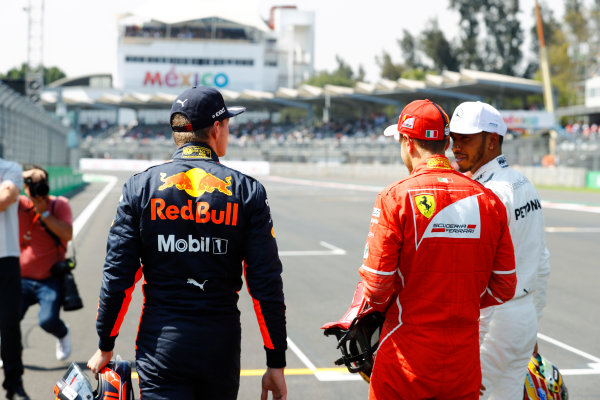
192, 226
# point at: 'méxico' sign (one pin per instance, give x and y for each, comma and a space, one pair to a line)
173, 78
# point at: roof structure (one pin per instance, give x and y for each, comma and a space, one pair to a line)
243, 12
577, 111
448, 87
88, 80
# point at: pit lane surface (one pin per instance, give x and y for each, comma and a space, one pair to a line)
321, 228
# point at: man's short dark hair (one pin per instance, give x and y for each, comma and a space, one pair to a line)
432, 146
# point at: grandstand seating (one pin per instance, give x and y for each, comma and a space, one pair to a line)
358, 141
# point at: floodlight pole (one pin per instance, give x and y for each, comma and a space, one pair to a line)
34, 74
545, 68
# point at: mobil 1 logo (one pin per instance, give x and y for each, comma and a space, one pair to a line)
190, 244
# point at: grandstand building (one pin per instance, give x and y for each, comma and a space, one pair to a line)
203, 43
258, 63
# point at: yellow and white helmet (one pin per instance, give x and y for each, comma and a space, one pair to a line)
543, 381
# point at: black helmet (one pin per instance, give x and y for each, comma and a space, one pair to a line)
114, 382
357, 333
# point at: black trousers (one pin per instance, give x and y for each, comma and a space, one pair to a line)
187, 357
10, 318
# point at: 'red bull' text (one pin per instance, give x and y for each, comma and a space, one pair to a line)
199, 212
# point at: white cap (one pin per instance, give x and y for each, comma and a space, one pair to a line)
474, 117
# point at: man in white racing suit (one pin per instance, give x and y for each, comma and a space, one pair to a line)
508, 331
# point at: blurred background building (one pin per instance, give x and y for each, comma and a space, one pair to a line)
207, 44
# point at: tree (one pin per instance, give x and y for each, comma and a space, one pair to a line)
576, 20
51, 74
15, 73
360, 76
389, 70
408, 45
469, 54
576, 23
437, 48
342, 76
432, 43
417, 74
594, 40
504, 36
562, 70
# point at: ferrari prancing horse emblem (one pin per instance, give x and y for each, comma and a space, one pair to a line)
425, 204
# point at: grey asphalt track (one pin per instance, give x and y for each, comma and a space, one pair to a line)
321, 232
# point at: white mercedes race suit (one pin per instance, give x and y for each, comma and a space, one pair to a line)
508, 332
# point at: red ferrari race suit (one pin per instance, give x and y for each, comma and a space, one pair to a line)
438, 250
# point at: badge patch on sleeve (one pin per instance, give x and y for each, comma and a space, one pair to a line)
425, 204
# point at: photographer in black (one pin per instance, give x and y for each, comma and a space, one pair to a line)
45, 228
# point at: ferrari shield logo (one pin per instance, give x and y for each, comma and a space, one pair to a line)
425, 204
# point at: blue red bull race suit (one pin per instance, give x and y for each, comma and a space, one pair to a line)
192, 226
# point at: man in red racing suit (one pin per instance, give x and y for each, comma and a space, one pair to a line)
438, 250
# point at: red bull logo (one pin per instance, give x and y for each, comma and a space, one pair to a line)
199, 212
195, 182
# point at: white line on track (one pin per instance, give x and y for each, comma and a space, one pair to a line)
569, 348
571, 207
334, 185
321, 375
333, 251
377, 189
89, 210
307, 363
571, 229
594, 367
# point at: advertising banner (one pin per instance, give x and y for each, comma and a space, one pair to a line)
529, 120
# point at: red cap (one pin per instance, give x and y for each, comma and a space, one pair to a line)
421, 119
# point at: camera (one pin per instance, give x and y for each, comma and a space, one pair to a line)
62, 267
39, 188
71, 300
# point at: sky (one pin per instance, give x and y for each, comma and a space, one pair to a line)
80, 36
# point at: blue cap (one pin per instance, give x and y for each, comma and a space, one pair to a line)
202, 106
